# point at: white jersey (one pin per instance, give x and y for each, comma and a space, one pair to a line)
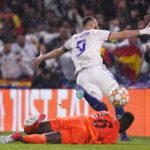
85, 48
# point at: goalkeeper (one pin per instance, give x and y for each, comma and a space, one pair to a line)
98, 128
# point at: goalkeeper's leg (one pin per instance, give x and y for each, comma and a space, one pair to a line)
35, 124
52, 137
77, 135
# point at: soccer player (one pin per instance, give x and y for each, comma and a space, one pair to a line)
93, 79
98, 128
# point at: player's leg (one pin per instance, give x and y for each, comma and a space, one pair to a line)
93, 102
44, 127
89, 91
66, 136
119, 111
65, 131
108, 83
72, 129
52, 137
34, 124
125, 121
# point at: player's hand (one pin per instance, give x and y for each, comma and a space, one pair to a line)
148, 25
146, 30
38, 60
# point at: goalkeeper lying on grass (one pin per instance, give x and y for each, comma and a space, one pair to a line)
98, 128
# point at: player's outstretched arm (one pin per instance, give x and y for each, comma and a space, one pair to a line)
53, 54
129, 33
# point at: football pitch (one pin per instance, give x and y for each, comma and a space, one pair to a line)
137, 143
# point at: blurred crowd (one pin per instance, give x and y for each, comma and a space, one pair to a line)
30, 26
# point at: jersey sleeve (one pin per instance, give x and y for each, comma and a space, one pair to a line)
67, 45
102, 35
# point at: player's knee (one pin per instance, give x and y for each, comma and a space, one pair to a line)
38, 128
31, 128
44, 127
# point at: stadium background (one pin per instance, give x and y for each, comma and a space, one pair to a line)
28, 26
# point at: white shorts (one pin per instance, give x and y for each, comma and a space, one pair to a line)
97, 81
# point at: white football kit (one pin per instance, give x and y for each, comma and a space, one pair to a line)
92, 74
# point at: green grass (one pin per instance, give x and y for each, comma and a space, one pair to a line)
137, 143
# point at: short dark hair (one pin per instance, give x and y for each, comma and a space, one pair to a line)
125, 121
87, 19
